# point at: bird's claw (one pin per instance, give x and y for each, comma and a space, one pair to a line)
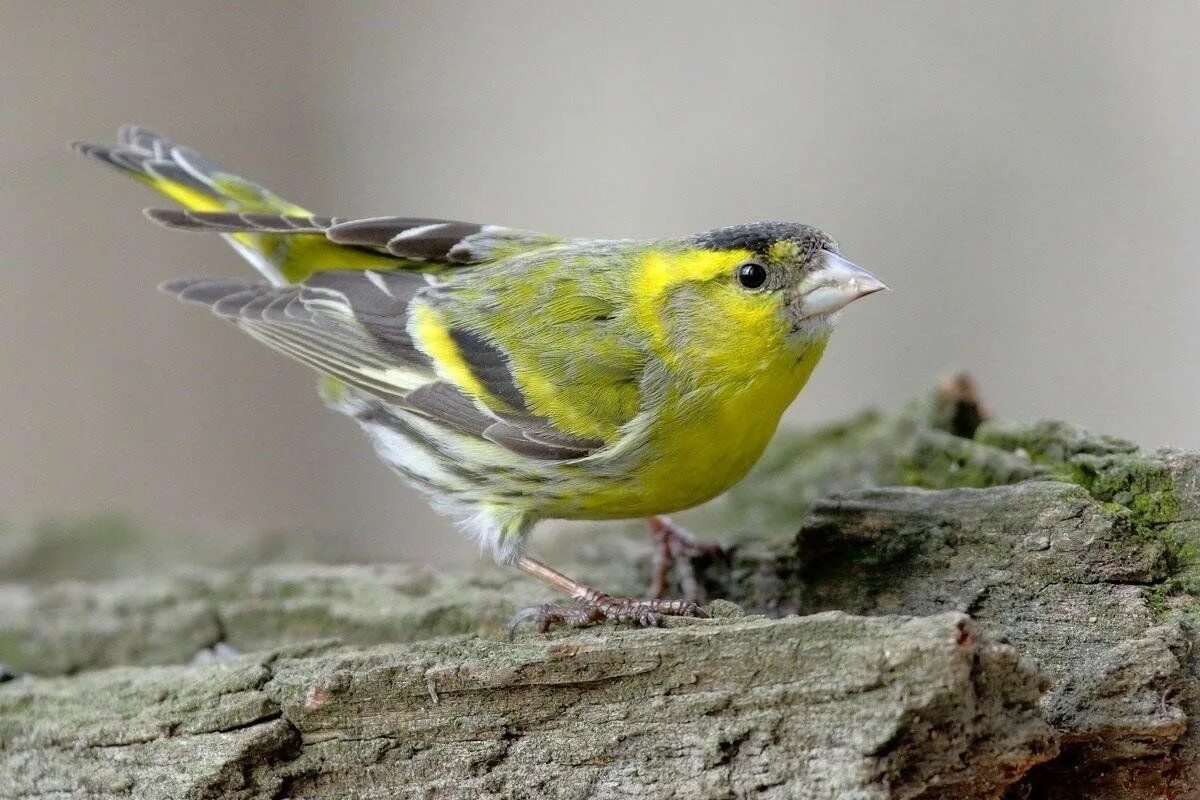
677, 547
606, 608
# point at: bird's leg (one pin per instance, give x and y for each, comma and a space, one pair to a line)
676, 545
591, 605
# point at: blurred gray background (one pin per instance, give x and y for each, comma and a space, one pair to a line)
1025, 175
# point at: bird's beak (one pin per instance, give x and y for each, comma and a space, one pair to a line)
833, 285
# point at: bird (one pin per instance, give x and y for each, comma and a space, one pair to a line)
515, 376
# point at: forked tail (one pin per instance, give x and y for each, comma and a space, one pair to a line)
200, 184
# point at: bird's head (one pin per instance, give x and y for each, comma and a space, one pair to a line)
754, 291
792, 271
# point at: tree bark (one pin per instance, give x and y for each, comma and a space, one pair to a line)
828, 705
986, 610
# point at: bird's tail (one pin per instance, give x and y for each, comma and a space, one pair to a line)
200, 184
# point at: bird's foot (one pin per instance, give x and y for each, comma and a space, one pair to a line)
600, 607
676, 546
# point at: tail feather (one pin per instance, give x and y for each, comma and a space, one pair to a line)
233, 221
184, 175
200, 184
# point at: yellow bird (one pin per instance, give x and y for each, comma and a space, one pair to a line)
516, 376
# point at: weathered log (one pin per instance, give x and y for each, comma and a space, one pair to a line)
824, 706
1081, 552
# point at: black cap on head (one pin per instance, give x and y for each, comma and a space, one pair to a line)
758, 237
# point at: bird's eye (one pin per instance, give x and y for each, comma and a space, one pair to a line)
752, 275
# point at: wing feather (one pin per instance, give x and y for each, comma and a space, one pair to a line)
352, 325
417, 239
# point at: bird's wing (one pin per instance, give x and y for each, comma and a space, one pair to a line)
354, 326
430, 242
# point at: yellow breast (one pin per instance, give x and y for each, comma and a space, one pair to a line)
704, 441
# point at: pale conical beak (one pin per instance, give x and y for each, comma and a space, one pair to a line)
833, 285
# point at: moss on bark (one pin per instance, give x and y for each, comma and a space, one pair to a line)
1081, 552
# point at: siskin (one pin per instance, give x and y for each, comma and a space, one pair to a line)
516, 376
